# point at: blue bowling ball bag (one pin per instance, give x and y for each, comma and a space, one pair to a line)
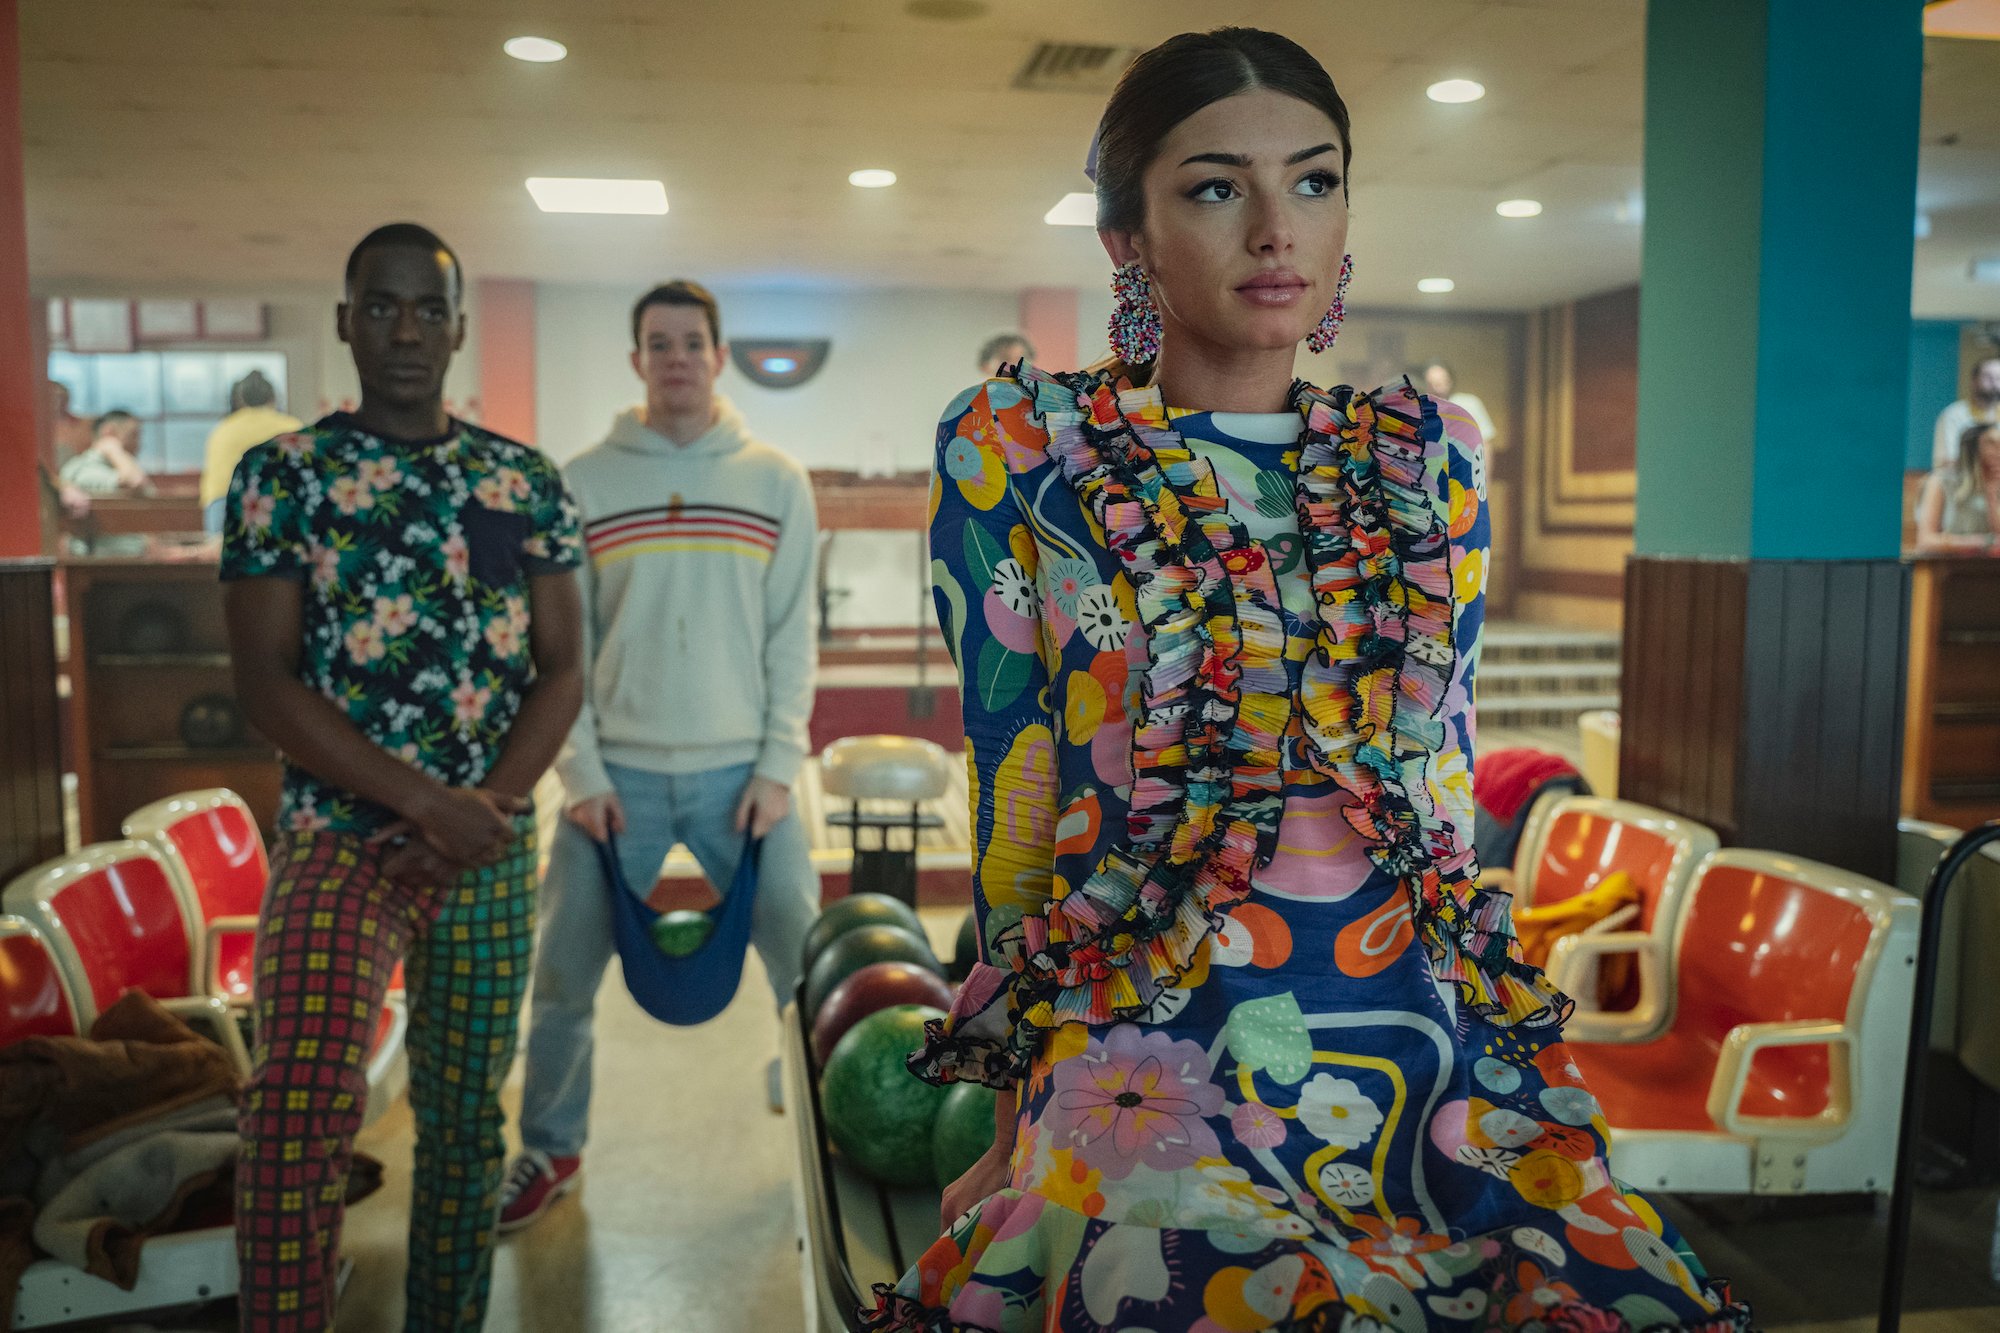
695, 988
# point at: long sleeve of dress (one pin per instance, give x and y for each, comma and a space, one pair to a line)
984, 584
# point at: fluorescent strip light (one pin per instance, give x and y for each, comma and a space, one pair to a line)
1435, 285
1075, 210
535, 50
585, 194
871, 178
1986, 270
1519, 208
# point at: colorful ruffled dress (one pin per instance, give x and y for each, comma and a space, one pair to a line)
1280, 1065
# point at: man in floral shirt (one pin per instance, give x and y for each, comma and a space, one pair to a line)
406, 628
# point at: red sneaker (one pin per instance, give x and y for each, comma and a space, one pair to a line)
535, 1181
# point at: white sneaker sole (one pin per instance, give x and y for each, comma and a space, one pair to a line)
556, 1194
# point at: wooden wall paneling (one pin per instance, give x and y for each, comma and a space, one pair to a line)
1725, 699
1759, 768
1879, 750
1841, 783
1765, 700
1680, 742
1635, 692
1698, 731
31, 807
1824, 649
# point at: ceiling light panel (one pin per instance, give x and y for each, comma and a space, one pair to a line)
590, 194
1078, 209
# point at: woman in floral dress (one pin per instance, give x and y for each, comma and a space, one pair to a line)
1269, 1058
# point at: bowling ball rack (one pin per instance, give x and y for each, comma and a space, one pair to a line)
853, 1232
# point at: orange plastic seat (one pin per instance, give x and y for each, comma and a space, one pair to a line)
115, 916
1785, 1026
1571, 846
35, 999
211, 842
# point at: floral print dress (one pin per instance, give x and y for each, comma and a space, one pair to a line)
1279, 1063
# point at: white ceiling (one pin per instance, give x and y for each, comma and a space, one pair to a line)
239, 143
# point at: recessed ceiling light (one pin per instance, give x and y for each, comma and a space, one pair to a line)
1077, 209
585, 194
1456, 90
1435, 284
871, 178
535, 50
1986, 270
1519, 208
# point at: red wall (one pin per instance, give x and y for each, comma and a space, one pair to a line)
20, 377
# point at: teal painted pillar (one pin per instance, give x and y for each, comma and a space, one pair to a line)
1774, 324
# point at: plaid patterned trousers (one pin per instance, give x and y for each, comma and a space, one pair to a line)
330, 933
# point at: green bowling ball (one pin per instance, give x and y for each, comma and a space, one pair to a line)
851, 913
678, 934
856, 949
880, 1115
964, 1131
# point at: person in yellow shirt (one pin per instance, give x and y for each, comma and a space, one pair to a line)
252, 420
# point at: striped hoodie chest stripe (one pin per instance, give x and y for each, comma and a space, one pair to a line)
719, 528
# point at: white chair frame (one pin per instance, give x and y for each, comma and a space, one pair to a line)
1574, 963
1850, 1146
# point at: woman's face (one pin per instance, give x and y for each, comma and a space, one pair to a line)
1245, 224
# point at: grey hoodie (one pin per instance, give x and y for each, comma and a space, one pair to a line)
698, 594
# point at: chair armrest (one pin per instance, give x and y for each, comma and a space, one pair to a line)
211, 952
1573, 966
215, 1020
1732, 1074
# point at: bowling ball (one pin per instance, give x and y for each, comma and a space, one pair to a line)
151, 629
964, 1131
966, 952
879, 1114
855, 950
678, 934
211, 722
876, 986
858, 909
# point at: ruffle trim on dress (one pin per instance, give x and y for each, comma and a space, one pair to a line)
897, 1313
1207, 795
1380, 561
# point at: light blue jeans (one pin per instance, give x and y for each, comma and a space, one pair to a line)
695, 810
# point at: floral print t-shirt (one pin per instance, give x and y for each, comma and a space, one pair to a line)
415, 556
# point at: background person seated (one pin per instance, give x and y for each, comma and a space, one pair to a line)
110, 465
1958, 510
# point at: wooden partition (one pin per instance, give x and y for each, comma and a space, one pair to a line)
1951, 751
1765, 699
154, 698
31, 805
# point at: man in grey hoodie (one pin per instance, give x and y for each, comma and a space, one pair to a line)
700, 648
